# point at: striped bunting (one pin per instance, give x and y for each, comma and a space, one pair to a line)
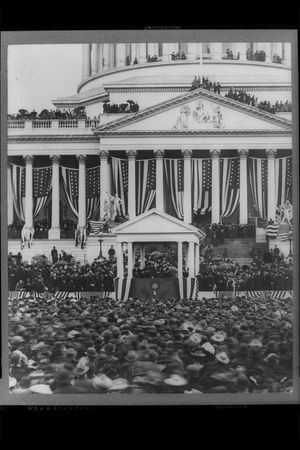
96, 226
263, 294
187, 288
272, 230
122, 288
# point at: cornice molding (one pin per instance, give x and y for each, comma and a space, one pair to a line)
182, 99
187, 88
50, 138
183, 132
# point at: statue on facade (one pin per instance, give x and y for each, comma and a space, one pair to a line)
284, 213
112, 206
182, 119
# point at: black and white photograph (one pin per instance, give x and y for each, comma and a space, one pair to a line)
151, 217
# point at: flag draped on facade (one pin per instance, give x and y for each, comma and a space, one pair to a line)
272, 230
42, 185
174, 170
18, 190
201, 185
283, 180
229, 185
120, 182
258, 174
70, 179
145, 184
92, 192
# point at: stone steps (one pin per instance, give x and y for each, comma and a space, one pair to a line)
236, 248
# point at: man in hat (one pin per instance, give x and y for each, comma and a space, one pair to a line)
63, 384
54, 255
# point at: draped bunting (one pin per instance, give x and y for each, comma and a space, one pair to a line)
70, 179
18, 190
92, 192
229, 185
283, 180
201, 182
120, 182
174, 170
145, 184
42, 184
257, 173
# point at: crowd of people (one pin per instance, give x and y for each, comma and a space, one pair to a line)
205, 83
178, 55
266, 272
242, 96
216, 233
45, 114
112, 108
101, 346
61, 274
258, 55
157, 264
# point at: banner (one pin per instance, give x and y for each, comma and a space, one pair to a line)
187, 288
156, 288
122, 288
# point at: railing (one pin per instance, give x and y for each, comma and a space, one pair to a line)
16, 123
68, 124
41, 123
91, 123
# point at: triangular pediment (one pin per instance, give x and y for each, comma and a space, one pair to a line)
155, 222
198, 110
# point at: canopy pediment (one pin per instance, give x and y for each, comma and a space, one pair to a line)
154, 225
198, 110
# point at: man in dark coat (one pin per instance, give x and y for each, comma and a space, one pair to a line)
54, 255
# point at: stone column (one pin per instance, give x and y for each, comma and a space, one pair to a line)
179, 259
10, 205
159, 155
286, 53
94, 58
28, 192
100, 57
191, 260
191, 50
267, 49
120, 55
187, 196
216, 50
54, 232
215, 185
120, 268
131, 183
134, 52
130, 260
111, 56
142, 57
106, 57
153, 49
82, 192
243, 187
103, 154
197, 259
241, 48
271, 183
142, 256
86, 60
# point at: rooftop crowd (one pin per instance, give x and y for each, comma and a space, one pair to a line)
241, 96
45, 114
111, 108
149, 346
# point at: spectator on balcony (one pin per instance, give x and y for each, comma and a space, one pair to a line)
135, 61
173, 56
183, 55
128, 61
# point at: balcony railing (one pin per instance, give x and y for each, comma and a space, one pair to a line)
52, 126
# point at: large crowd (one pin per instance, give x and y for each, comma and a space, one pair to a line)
241, 95
45, 114
112, 108
205, 83
149, 346
216, 233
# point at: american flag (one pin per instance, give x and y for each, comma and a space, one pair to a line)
174, 169
229, 185
93, 182
272, 230
145, 184
289, 179
96, 226
201, 185
23, 179
42, 180
258, 177
180, 174
124, 169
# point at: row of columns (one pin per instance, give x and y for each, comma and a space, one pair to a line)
97, 58
192, 259
54, 232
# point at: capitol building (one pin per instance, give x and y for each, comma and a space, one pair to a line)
159, 141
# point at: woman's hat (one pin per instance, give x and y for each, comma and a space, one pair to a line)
91, 352
209, 348
218, 337
176, 380
102, 381
119, 384
40, 389
222, 357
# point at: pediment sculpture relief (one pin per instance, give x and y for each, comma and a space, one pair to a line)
199, 116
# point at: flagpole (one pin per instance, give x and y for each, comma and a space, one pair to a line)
201, 63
